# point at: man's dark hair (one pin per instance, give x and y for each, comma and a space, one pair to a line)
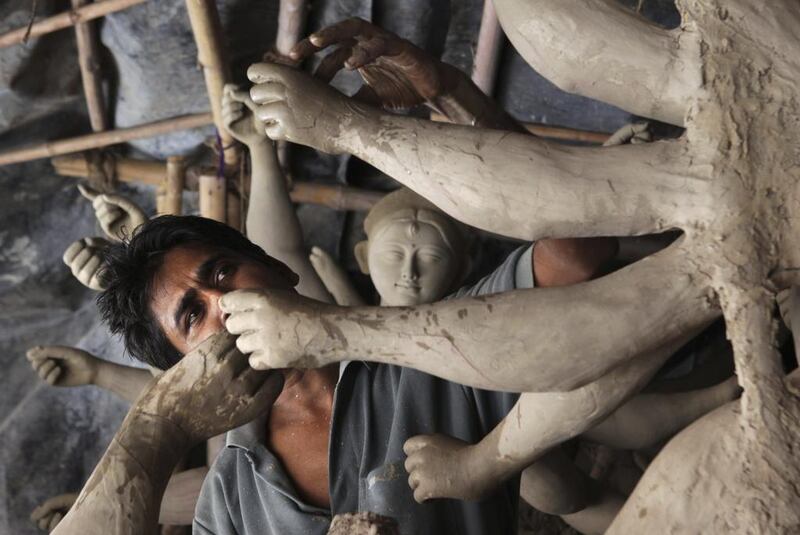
129, 272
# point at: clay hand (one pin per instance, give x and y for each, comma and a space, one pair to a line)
440, 466
295, 107
117, 215
275, 327
85, 260
50, 512
210, 391
238, 116
633, 133
397, 73
63, 366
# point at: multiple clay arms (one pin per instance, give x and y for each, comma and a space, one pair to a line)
487, 185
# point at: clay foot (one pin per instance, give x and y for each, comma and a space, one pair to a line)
439, 467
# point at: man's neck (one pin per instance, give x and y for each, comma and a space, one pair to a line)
308, 390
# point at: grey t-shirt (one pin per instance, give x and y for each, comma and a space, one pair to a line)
376, 408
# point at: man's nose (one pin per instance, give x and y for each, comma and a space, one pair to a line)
214, 297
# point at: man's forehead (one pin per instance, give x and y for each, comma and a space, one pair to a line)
178, 271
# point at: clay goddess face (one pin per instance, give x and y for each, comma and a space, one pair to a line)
410, 262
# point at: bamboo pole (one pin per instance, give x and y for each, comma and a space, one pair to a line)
169, 196
91, 76
125, 169
153, 173
334, 196
213, 197
234, 210
207, 30
291, 22
487, 52
552, 132
65, 20
104, 139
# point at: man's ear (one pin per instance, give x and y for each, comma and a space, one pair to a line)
361, 253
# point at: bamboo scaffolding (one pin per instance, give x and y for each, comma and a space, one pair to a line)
65, 20
291, 22
213, 197
211, 55
104, 139
152, 173
91, 76
169, 197
185, 122
487, 52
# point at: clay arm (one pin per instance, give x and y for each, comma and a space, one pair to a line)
399, 74
177, 506
643, 68
498, 342
272, 222
649, 419
125, 381
210, 391
70, 366
124, 492
335, 279
510, 184
536, 423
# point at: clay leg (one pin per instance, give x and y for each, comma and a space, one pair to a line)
651, 418
602, 50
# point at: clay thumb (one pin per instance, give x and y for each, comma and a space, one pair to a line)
88, 192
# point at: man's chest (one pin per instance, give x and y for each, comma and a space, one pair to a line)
301, 445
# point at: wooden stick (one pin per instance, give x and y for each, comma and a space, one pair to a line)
207, 30
234, 208
487, 52
91, 76
126, 169
334, 196
153, 173
66, 19
553, 132
213, 198
104, 139
291, 22
169, 196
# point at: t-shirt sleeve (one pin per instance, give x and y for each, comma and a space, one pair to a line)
514, 273
211, 515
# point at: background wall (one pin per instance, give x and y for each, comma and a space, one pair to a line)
51, 438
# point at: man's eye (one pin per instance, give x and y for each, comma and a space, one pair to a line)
193, 316
223, 271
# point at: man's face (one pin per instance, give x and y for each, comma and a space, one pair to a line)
410, 263
189, 283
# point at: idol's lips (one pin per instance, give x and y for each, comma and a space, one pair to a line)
414, 287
